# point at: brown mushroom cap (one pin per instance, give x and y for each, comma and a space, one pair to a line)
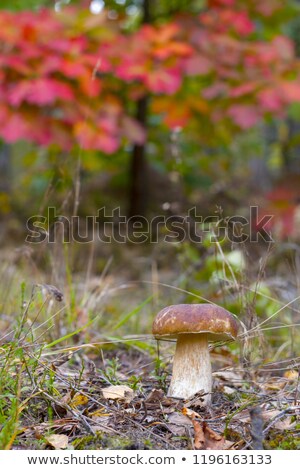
218, 323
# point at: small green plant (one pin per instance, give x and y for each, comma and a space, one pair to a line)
285, 440
111, 369
10, 390
161, 373
135, 382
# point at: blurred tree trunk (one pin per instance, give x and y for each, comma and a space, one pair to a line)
139, 190
139, 186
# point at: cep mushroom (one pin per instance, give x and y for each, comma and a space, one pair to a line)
193, 326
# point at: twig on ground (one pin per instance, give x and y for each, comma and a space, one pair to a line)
279, 416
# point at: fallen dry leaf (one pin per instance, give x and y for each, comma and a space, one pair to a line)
282, 424
190, 413
291, 375
178, 423
207, 439
57, 441
102, 424
99, 412
199, 438
274, 385
213, 435
220, 444
78, 400
230, 376
157, 400
156, 395
118, 392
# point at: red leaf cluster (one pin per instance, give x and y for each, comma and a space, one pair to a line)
71, 78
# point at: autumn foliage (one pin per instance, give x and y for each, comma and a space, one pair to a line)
73, 78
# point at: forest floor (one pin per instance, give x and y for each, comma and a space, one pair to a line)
79, 401
87, 374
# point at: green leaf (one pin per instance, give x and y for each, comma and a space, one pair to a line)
294, 111
17, 5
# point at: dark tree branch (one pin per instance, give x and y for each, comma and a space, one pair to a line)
139, 189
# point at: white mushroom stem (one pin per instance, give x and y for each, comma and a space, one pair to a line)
191, 368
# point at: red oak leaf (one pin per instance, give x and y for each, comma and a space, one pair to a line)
163, 80
89, 137
243, 89
41, 91
198, 65
290, 91
14, 128
270, 99
245, 116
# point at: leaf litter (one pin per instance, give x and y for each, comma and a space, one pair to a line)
86, 411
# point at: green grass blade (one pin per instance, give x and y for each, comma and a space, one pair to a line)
133, 312
69, 335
